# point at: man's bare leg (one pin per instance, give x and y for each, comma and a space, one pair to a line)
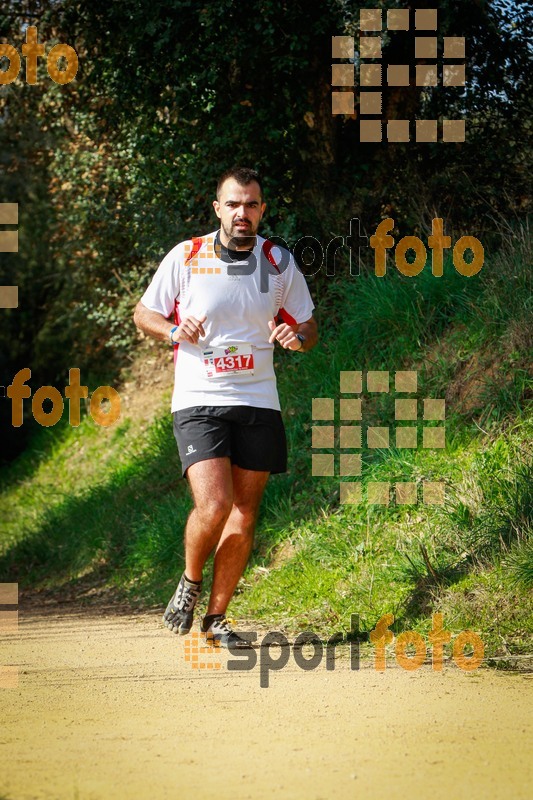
212, 491
236, 540
226, 503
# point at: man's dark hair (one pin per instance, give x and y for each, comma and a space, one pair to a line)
243, 176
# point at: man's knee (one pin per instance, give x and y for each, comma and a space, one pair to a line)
214, 510
245, 513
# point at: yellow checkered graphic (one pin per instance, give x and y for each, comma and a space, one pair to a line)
194, 647
9, 624
9, 243
371, 75
208, 250
349, 464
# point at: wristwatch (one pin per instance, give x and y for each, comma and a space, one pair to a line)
301, 339
171, 334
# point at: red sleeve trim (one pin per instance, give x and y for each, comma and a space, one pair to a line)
286, 317
177, 321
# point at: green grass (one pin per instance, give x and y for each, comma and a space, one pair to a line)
90, 506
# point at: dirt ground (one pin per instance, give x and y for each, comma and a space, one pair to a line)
108, 707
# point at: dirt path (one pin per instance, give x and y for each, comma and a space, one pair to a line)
107, 707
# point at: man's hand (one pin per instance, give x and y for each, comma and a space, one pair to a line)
152, 323
190, 329
285, 335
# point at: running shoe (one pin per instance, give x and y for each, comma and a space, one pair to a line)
218, 633
179, 613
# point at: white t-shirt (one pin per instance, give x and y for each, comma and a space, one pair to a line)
192, 279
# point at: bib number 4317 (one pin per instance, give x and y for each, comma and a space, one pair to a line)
234, 359
233, 363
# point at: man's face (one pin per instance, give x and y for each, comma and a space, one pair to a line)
239, 209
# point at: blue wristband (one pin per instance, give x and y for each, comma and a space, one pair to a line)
175, 328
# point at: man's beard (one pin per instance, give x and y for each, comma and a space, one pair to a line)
242, 240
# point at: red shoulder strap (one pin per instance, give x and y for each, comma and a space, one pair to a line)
267, 250
197, 242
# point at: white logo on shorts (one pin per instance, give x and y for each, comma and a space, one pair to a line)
190, 450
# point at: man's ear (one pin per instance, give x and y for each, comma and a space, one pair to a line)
216, 206
263, 206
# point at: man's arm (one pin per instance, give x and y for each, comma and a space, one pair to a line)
154, 324
286, 335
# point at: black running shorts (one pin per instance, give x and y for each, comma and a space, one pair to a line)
253, 438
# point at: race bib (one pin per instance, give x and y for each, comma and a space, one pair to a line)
234, 359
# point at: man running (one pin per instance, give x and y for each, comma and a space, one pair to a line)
233, 294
